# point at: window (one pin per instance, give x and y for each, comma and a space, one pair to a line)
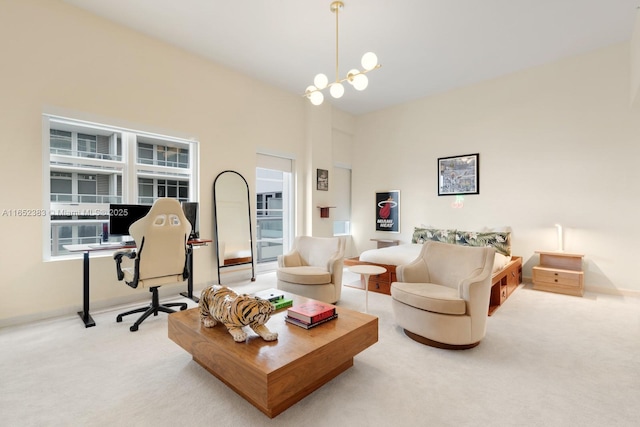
60, 141
87, 188
150, 189
342, 197
269, 213
164, 155
61, 183
87, 145
92, 165
274, 208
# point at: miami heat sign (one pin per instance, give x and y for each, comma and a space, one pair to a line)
388, 211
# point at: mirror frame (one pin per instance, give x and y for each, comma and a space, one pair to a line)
215, 224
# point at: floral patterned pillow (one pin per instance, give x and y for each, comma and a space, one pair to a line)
421, 235
500, 240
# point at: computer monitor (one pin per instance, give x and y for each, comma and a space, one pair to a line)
190, 210
121, 216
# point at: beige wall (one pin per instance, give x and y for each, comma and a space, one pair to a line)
558, 144
56, 58
329, 141
634, 52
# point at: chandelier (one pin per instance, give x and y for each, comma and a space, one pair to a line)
355, 77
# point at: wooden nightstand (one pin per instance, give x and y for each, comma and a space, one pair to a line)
559, 272
383, 243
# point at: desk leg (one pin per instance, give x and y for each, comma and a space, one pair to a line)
84, 314
189, 293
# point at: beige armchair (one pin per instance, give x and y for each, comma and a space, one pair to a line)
313, 268
442, 297
160, 257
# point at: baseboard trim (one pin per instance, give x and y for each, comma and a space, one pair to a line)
600, 289
140, 297
612, 291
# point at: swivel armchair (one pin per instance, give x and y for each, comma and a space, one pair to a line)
160, 256
442, 297
313, 268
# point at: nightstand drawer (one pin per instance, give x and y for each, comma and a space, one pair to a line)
560, 277
381, 283
380, 287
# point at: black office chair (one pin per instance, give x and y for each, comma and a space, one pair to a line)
160, 256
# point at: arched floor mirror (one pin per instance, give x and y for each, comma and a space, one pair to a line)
232, 222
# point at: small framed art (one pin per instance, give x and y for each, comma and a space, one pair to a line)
459, 175
322, 180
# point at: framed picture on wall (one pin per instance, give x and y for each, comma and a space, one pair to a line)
388, 211
459, 175
322, 179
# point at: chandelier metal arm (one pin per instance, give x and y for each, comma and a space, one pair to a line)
355, 77
335, 7
348, 78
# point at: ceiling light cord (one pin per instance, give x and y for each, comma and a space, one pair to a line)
355, 77
337, 12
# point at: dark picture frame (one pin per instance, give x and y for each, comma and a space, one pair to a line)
388, 211
459, 175
322, 179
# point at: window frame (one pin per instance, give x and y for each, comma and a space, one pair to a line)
122, 164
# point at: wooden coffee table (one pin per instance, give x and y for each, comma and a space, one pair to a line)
274, 375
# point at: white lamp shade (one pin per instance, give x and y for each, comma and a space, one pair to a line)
320, 81
316, 98
369, 61
360, 82
336, 89
352, 74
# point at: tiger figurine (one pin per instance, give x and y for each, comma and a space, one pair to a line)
221, 304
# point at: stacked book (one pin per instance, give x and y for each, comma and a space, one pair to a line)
276, 297
310, 314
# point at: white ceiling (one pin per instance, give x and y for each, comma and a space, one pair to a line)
424, 46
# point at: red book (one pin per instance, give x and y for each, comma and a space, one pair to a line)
311, 312
308, 325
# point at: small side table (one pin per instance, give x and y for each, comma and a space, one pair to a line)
365, 270
559, 272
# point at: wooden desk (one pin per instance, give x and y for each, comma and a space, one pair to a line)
192, 243
273, 375
87, 249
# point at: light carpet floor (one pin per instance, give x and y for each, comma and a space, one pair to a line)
547, 360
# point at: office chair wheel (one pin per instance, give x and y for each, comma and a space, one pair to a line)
133, 328
119, 319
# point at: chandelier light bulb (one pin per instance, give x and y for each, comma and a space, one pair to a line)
351, 75
320, 81
316, 98
360, 82
369, 61
336, 90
